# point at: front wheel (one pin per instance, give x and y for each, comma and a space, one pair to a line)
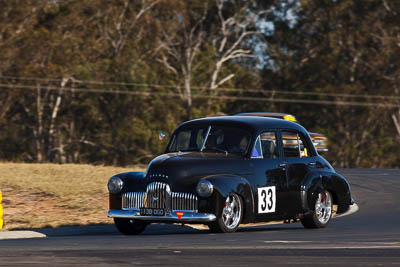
231, 215
129, 226
322, 213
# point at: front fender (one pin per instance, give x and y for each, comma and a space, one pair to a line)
133, 181
223, 186
315, 182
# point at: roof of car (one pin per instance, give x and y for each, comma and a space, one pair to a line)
253, 122
263, 114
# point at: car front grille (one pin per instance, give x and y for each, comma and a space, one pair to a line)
159, 195
133, 200
184, 201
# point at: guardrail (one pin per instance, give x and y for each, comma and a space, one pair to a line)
1, 211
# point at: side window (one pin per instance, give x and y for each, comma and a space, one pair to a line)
294, 145
304, 149
268, 145
257, 150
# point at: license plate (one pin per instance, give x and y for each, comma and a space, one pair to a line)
151, 212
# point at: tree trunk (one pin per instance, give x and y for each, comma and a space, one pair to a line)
52, 130
396, 121
38, 132
188, 94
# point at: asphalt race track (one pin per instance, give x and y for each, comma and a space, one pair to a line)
369, 237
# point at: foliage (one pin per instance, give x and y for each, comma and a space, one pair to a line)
96, 81
342, 47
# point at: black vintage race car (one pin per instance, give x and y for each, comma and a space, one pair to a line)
224, 171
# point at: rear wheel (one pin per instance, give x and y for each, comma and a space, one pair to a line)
129, 226
322, 213
231, 215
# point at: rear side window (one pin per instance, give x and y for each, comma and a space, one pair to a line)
294, 146
265, 146
268, 145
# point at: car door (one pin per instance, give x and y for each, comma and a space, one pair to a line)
269, 181
298, 161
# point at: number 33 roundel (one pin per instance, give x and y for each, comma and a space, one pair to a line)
266, 199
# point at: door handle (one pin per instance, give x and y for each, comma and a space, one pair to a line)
282, 165
312, 164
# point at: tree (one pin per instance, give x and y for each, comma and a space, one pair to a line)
192, 34
337, 47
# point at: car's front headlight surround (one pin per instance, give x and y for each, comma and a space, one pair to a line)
204, 188
115, 185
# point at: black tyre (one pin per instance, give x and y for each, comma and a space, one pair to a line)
231, 216
321, 214
129, 227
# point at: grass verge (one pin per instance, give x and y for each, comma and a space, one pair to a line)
52, 195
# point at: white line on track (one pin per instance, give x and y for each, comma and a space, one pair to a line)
293, 244
286, 241
20, 234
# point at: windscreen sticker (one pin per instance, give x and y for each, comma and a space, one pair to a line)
266, 199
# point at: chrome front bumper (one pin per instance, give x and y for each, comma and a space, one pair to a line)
187, 216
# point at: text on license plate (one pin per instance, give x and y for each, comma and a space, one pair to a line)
151, 212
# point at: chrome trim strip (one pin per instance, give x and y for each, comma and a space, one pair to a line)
205, 139
188, 216
303, 195
298, 143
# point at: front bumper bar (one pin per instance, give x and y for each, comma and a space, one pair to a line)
187, 216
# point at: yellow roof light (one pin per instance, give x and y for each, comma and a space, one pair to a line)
289, 118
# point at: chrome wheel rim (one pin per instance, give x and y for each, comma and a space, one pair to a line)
323, 207
232, 212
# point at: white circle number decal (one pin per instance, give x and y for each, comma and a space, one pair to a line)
266, 199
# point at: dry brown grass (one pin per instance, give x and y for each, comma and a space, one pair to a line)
39, 195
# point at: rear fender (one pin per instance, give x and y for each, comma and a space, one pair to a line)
316, 182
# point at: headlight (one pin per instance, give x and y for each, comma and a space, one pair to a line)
204, 188
115, 185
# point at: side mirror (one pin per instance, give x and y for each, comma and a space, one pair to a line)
162, 136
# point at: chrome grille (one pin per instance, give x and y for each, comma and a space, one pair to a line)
133, 200
159, 195
184, 201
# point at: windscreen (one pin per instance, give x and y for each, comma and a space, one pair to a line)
188, 139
